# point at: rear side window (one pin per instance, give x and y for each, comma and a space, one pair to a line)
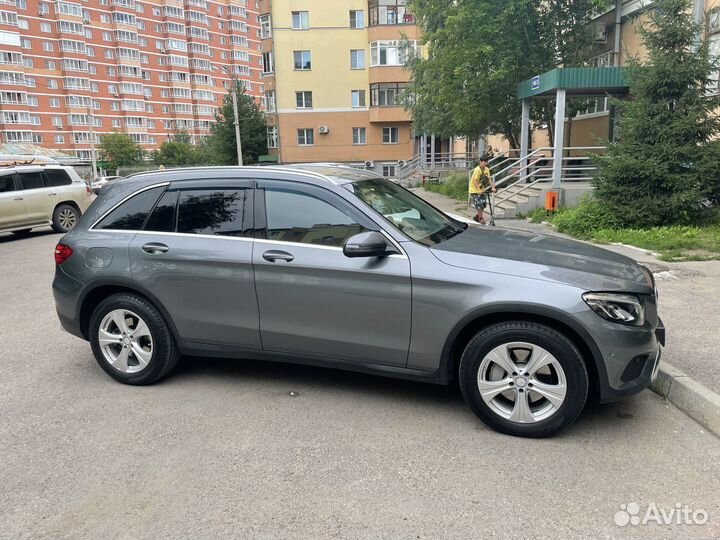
31, 180
131, 215
163, 216
57, 177
7, 183
215, 212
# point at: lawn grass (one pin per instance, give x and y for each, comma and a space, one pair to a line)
672, 243
454, 186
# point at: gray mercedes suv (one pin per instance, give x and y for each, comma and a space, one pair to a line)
332, 266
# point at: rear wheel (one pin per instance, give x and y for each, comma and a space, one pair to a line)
131, 341
65, 217
523, 378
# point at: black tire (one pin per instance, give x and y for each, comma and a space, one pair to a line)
59, 221
22, 233
165, 354
554, 342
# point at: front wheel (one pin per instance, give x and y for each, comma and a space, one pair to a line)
523, 378
131, 341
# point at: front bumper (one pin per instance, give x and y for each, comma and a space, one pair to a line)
635, 377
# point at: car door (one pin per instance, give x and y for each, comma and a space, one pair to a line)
39, 199
195, 255
60, 188
12, 204
313, 299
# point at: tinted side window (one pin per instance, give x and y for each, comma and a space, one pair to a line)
216, 212
7, 183
31, 180
162, 218
131, 214
298, 217
57, 177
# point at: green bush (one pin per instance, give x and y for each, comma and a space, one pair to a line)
454, 185
583, 220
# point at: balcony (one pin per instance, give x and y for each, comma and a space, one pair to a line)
389, 13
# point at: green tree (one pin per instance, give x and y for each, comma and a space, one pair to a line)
253, 133
478, 52
666, 164
119, 150
178, 151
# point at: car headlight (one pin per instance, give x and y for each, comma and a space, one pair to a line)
619, 308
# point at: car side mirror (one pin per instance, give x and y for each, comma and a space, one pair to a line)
367, 244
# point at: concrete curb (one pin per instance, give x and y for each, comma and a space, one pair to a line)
698, 402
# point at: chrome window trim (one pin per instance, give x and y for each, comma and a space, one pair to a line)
146, 188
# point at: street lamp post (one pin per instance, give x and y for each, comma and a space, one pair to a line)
236, 115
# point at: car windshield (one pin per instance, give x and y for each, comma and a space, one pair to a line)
406, 211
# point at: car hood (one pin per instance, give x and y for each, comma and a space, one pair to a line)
540, 256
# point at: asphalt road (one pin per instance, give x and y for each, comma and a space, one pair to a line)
222, 450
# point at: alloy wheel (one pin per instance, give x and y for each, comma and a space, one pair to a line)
67, 218
125, 341
522, 382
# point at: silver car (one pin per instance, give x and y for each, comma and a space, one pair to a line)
332, 266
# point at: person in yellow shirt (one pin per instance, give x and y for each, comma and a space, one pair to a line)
480, 182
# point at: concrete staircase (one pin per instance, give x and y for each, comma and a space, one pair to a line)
518, 199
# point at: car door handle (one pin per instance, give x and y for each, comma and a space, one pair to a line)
153, 248
51, 194
18, 199
277, 255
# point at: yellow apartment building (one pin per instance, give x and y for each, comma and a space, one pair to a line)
333, 72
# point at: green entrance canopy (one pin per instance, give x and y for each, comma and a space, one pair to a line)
576, 82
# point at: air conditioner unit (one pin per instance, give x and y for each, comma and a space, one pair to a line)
401, 162
369, 164
599, 33
323, 130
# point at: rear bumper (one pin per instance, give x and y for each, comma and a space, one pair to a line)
67, 292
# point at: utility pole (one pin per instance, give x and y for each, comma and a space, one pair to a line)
237, 124
235, 114
93, 175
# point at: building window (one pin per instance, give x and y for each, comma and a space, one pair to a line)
305, 137
388, 170
714, 50
267, 60
389, 12
393, 53
386, 94
303, 100
359, 135
357, 19
300, 20
303, 60
357, 59
59, 139
28, 63
391, 135
593, 106
47, 46
45, 27
54, 102
272, 137
265, 26
358, 98
52, 84
49, 64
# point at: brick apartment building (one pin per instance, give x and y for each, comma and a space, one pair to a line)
149, 68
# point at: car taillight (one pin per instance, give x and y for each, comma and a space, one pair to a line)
62, 253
